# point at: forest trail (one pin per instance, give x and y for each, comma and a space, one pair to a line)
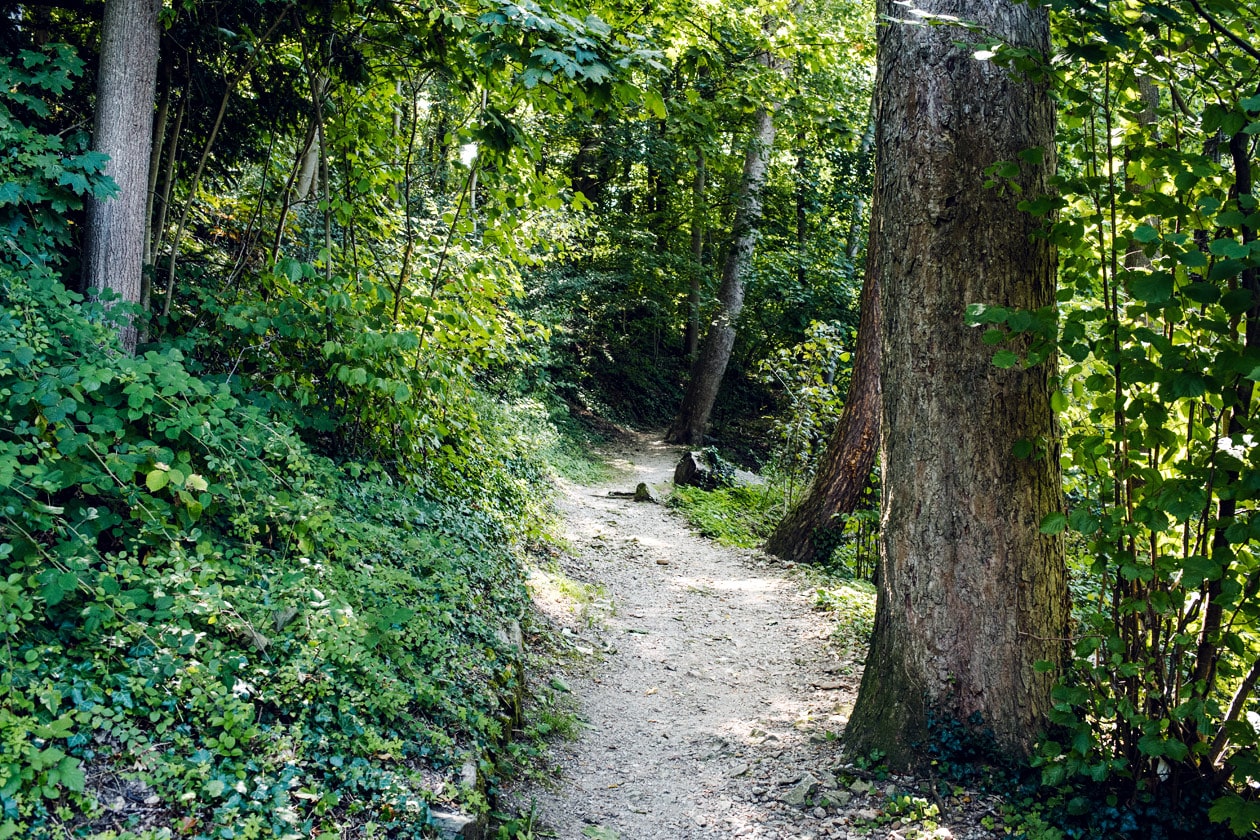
719, 697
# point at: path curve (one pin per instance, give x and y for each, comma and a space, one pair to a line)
721, 692
717, 710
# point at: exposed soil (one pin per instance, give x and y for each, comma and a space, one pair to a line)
717, 708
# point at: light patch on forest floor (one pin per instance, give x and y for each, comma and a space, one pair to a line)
717, 708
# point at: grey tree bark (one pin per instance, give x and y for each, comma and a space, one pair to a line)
114, 236
970, 594
715, 351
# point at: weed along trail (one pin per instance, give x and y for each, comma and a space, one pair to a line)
715, 705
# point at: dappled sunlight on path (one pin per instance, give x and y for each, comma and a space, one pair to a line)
720, 692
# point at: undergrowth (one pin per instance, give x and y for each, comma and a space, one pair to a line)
210, 629
742, 516
566, 444
851, 605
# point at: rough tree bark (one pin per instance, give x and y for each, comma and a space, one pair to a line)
970, 594
114, 237
846, 464
715, 351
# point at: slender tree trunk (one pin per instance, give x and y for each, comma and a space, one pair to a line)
155, 170
692, 337
168, 178
310, 163
288, 194
845, 468
584, 171
801, 198
150, 202
707, 370
971, 593
114, 242
205, 156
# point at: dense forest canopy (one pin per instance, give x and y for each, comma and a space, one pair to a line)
301, 298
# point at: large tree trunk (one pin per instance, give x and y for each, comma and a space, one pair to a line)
114, 238
971, 593
709, 366
845, 468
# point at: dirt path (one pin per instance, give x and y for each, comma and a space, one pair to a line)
716, 712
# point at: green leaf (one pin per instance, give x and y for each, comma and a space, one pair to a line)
1084, 522
1187, 384
156, 480
1238, 301
1185, 180
654, 103
1242, 815
1193, 259
1225, 269
1054, 523
1202, 292
1229, 248
1152, 288
1040, 206
1005, 359
1196, 569
1058, 401
1145, 233
72, 776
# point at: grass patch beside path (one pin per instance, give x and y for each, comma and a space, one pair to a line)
741, 517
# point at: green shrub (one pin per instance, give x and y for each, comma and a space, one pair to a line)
195, 602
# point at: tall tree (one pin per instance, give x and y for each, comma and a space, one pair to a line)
971, 593
709, 366
114, 242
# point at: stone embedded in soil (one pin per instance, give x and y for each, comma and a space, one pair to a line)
452, 825
645, 493
799, 794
